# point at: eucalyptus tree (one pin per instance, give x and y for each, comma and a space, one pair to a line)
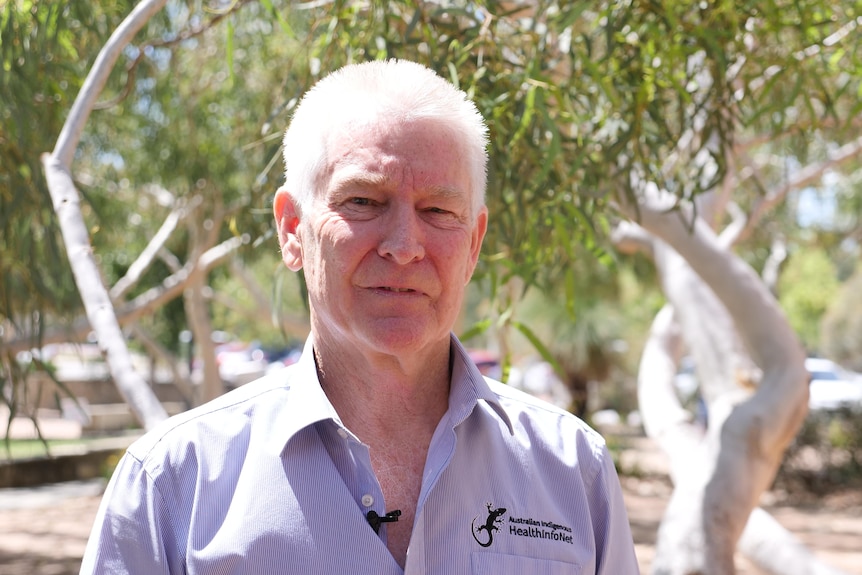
44, 55
749, 360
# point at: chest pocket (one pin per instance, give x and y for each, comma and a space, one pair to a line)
500, 564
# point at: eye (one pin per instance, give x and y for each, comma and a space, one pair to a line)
357, 207
437, 216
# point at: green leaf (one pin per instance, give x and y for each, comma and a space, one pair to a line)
526, 114
476, 329
229, 52
285, 27
538, 345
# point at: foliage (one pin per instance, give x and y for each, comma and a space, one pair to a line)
191, 134
45, 52
826, 454
590, 338
841, 327
248, 319
41, 66
806, 288
151, 145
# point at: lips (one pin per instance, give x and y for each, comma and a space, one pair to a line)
386, 284
395, 290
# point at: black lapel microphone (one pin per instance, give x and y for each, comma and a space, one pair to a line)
375, 520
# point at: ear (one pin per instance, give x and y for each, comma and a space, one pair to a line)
287, 224
480, 226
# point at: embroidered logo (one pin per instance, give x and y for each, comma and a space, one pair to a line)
495, 516
529, 527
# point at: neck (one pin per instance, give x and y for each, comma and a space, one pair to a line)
393, 404
381, 396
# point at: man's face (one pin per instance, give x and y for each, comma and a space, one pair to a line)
389, 242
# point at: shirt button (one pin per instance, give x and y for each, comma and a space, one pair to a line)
342, 433
367, 500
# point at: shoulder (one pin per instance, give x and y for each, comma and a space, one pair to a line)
549, 427
224, 419
515, 400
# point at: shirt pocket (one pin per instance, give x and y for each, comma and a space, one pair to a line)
501, 564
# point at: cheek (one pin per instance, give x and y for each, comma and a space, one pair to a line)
336, 258
454, 271
459, 261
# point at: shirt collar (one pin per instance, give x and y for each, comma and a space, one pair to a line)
308, 404
468, 386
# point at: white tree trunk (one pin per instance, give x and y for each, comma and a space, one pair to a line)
129, 312
97, 303
776, 550
197, 314
746, 436
66, 199
764, 541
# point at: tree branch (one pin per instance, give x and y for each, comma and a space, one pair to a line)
131, 69
628, 237
170, 288
752, 438
97, 302
805, 177
70, 135
157, 350
146, 257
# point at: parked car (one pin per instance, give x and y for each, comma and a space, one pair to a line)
487, 362
831, 386
240, 363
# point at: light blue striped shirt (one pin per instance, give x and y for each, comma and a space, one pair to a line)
266, 479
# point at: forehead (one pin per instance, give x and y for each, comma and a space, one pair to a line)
387, 152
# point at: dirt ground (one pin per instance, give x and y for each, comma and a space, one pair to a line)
43, 531
831, 529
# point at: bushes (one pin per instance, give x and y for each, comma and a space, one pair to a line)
826, 454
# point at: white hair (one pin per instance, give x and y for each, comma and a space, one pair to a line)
399, 89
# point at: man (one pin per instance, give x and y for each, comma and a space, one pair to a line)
383, 450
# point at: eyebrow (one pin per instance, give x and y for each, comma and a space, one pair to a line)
446, 192
342, 182
344, 186
359, 180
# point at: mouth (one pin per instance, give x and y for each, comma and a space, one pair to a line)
395, 289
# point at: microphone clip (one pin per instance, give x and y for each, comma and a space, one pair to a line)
375, 520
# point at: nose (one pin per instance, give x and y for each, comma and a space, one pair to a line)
402, 240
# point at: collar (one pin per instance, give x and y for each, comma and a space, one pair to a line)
468, 386
307, 403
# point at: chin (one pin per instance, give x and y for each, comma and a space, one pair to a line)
401, 339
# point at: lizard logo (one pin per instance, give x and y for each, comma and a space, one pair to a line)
489, 526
